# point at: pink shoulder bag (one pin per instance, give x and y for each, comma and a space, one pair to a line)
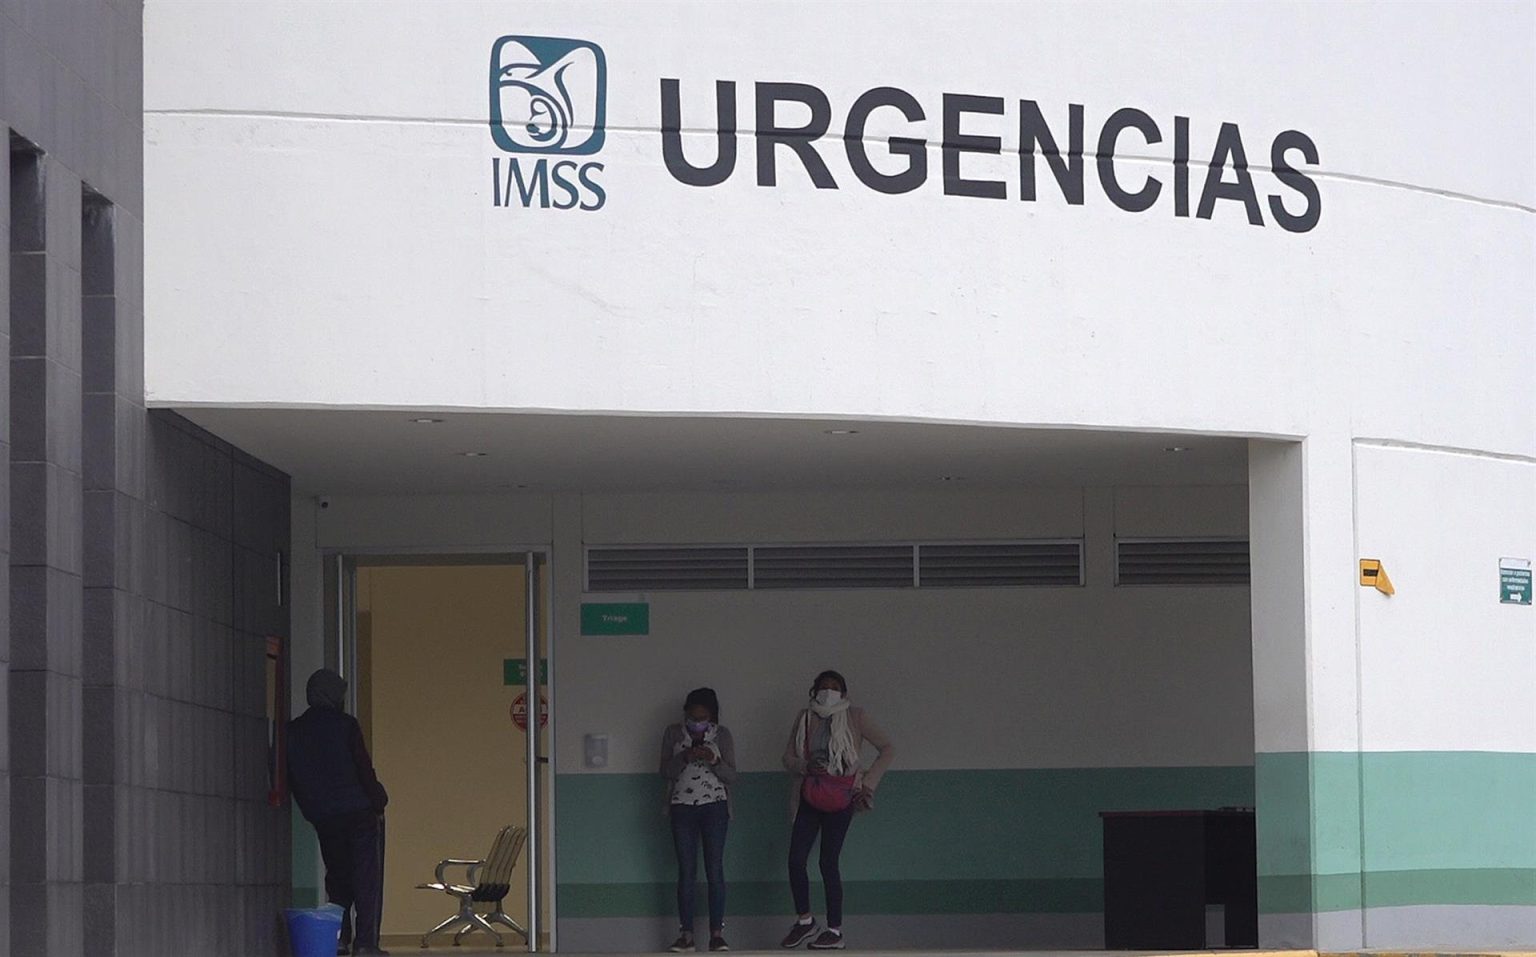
828, 793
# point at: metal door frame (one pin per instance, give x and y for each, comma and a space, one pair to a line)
339, 594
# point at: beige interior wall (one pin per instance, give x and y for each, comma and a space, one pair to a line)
438, 711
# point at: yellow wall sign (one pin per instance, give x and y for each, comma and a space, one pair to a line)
1372, 575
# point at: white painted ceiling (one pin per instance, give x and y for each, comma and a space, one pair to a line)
362, 452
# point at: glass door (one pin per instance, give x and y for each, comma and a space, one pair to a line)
436, 650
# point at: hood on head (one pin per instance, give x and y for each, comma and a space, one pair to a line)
326, 689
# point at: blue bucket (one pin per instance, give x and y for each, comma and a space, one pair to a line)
314, 932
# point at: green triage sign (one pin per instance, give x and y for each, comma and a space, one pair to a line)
1514, 581
514, 671
616, 618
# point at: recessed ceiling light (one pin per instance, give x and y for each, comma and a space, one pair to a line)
426, 420
472, 455
841, 431
1176, 448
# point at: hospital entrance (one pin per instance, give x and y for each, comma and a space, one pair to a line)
437, 645
1058, 629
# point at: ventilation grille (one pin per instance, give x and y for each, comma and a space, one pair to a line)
1001, 563
832, 566
666, 568
871, 565
1181, 562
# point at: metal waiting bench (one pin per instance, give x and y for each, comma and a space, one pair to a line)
485, 882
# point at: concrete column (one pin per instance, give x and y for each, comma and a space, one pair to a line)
5, 555
567, 537
257, 502
46, 560
110, 425
1306, 697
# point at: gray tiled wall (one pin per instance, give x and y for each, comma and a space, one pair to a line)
5, 554
202, 863
46, 559
141, 559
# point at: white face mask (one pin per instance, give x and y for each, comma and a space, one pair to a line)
828, 697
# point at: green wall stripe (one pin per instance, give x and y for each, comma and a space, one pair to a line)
1282, 786
1285, 894
1490, 885
304, 861
1422, 810
1308, 893
1303, 893
936, 825
1440, 828
1311, 812
766, 898
1428, 827
1449, 811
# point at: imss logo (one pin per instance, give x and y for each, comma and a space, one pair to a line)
548, 103
548, 100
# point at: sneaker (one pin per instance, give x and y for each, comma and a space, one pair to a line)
683, 944
370, 951
718, 944
829, 940
799, 934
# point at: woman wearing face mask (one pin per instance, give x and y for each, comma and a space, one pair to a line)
829, 786
698, 759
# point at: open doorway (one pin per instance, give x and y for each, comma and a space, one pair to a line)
1029, 615
437, 645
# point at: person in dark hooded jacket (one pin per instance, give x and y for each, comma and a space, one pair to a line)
332, 779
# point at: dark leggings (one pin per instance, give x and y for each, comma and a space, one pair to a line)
352, 847
833, 828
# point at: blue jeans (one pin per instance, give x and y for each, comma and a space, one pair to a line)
692, 824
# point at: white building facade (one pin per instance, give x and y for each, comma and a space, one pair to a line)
759, 275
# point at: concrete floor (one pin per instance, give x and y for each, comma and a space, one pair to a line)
406, 951
401, 951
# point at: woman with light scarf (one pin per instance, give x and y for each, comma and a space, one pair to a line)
830, 786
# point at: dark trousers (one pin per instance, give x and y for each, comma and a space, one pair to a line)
693, 824
352, 847
833, 828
